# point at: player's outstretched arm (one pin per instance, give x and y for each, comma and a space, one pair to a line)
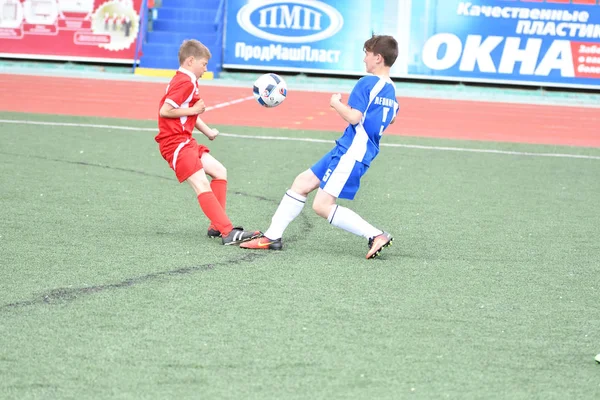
168, 111
209, 132
349, 114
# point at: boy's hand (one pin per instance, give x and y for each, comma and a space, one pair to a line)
199, 107
335, 98
212, 134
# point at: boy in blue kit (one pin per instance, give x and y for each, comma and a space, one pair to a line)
371, 107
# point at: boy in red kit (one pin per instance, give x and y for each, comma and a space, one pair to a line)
191, 162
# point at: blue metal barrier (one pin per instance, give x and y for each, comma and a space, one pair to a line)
141, 34
220, 30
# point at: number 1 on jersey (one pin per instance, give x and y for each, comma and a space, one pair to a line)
386, 111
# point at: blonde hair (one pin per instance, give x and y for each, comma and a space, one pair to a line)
193, 48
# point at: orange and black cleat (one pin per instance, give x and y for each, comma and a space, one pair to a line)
377, 243
263, 243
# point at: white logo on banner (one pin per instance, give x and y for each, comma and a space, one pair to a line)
293, 16
476, 54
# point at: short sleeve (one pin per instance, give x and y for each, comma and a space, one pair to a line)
359, 97
178, 93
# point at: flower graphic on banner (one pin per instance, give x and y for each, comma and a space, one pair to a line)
119, 20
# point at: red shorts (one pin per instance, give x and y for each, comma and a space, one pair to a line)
185, 159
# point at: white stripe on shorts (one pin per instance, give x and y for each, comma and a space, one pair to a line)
338, 178
177, 152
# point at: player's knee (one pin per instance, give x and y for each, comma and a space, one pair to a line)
303, 184
316, 208
298, 186
320, 208
220, 173
199, 183
200, 187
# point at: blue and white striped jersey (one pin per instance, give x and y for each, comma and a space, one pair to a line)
375, 97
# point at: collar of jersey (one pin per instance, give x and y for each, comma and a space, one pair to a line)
188, 73
385, 78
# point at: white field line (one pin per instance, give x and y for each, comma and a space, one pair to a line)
229, 103
300, 139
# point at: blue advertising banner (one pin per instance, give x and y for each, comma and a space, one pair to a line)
525, 42
299, 35
547, 43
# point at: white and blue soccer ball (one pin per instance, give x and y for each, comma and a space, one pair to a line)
270, 90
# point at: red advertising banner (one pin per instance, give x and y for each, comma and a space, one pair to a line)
73, 30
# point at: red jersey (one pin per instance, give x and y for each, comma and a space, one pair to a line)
182, 92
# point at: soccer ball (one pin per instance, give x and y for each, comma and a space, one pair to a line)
269, 90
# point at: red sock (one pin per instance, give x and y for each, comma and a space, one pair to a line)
215, 213
219, 188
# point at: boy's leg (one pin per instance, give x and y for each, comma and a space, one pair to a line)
188, 167
289, 208
346, 219
219, 188
209, 203
342, 217
343, 181
292, 203
218, 185
215, 213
